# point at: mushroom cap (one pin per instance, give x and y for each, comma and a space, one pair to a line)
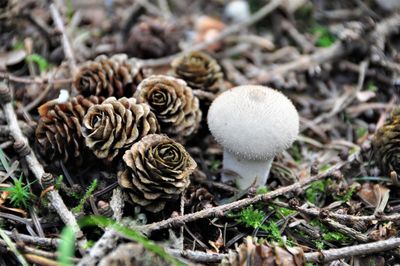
253, 122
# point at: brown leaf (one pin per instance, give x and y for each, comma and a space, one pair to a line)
374, 195
11, 58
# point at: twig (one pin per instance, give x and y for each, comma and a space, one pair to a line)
363, 249
36, 80
36, 101
32, 250
220, 210
110, 237
315, 212
305, 45
321, 256
40, 241
382, 30
346, 230
13, 248
39, 260
35, 221
33, 164
65, 42
304, 62
346, 99
197, 256
265, 10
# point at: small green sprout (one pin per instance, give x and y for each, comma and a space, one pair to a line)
215, 165
346, 197
284, 212
251, 217
254, 218
361, 132
371, 86
88, 193
315, 190
324, 37
58, 182
20, 195
262, 190
41, 62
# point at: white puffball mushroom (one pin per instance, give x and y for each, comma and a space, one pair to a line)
237, 10
253, 124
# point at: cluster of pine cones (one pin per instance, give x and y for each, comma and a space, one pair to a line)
121, 117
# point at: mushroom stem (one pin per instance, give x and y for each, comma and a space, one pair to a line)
245, 172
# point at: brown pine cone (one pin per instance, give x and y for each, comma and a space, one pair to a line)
8, 9
173, 103
59, 134
199, 199
253, 253
156, 170
200, 71
115, 76
152, 38
386, 144
113, 126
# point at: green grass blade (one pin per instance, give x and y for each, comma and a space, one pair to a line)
66, 248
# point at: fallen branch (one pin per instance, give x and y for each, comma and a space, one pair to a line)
320, 256
316, 212
363, 249
220, 210
36, 80
38, 241
36, 168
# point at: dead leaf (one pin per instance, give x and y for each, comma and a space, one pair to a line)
253, 253
11, 58
374, 195
217, 244
207, 28
15, 210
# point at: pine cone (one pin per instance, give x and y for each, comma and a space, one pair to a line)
115, 76
8, 9
199, 199
113, 126
386, 144
152, 38
156, 170
58, 134
132, 254
173, 103
200, 71
253, 253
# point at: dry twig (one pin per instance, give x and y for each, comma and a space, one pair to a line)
36, 168
65, 42
220, 210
